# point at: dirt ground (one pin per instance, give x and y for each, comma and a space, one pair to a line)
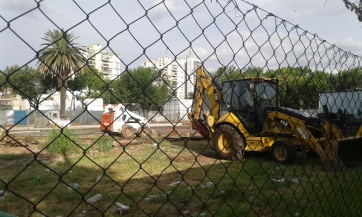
32, 145
20, 145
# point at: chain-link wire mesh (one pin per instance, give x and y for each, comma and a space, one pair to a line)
275, 113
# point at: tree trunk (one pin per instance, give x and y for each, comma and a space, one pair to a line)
144, 113
63, 89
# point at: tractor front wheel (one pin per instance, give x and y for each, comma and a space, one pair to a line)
228, 143
283, 152
128, 132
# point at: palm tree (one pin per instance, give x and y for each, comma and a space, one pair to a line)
62, 58
354, 6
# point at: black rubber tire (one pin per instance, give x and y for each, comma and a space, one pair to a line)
228, 143
143, 131
128, 132
283, 151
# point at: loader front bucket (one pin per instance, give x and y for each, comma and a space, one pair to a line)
339, 150
350, 151
342, 153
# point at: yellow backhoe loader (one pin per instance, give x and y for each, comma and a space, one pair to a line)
245, 115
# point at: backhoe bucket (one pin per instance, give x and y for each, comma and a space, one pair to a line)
350, 151
343, 153
339, 150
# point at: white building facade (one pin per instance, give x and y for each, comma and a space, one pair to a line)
181, 73
107, 63
192, 64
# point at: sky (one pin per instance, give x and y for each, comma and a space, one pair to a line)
268, 34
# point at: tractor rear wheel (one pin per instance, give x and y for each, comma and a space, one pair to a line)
128, 132
228, 143
283, 151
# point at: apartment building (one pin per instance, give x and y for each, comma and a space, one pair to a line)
191, 65
180, 72
105, 62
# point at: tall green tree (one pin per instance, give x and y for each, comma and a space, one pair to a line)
61, 57
145, 86
230, 73
90, 82
347, 80
227, 73
49, 82
354, 6
24, 81
311, 85
289, 85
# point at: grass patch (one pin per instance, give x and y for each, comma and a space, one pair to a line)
104, 144
174, 178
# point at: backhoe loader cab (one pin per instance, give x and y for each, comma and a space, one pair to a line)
245, 116
248, 100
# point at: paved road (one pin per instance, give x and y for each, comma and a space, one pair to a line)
160, 128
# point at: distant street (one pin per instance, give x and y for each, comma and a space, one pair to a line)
159, 128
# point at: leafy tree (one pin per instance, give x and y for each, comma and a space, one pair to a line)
299, 87
3, 76
190, 95
230, 73
62, 58
311, 85
227, 73
24, 81
90, 82
347, 80
290, 85
145, 86
354, 6
49, 82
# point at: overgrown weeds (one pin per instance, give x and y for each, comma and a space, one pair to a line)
104, 144
62, 141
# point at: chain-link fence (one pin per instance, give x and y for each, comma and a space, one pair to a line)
274, 124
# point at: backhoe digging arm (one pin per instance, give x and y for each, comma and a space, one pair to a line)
203, 123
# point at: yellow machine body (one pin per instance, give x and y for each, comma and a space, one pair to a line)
280, 130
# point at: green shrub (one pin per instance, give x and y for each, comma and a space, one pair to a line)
104, 144
62, 142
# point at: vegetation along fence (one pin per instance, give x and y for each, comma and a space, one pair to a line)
278, 136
